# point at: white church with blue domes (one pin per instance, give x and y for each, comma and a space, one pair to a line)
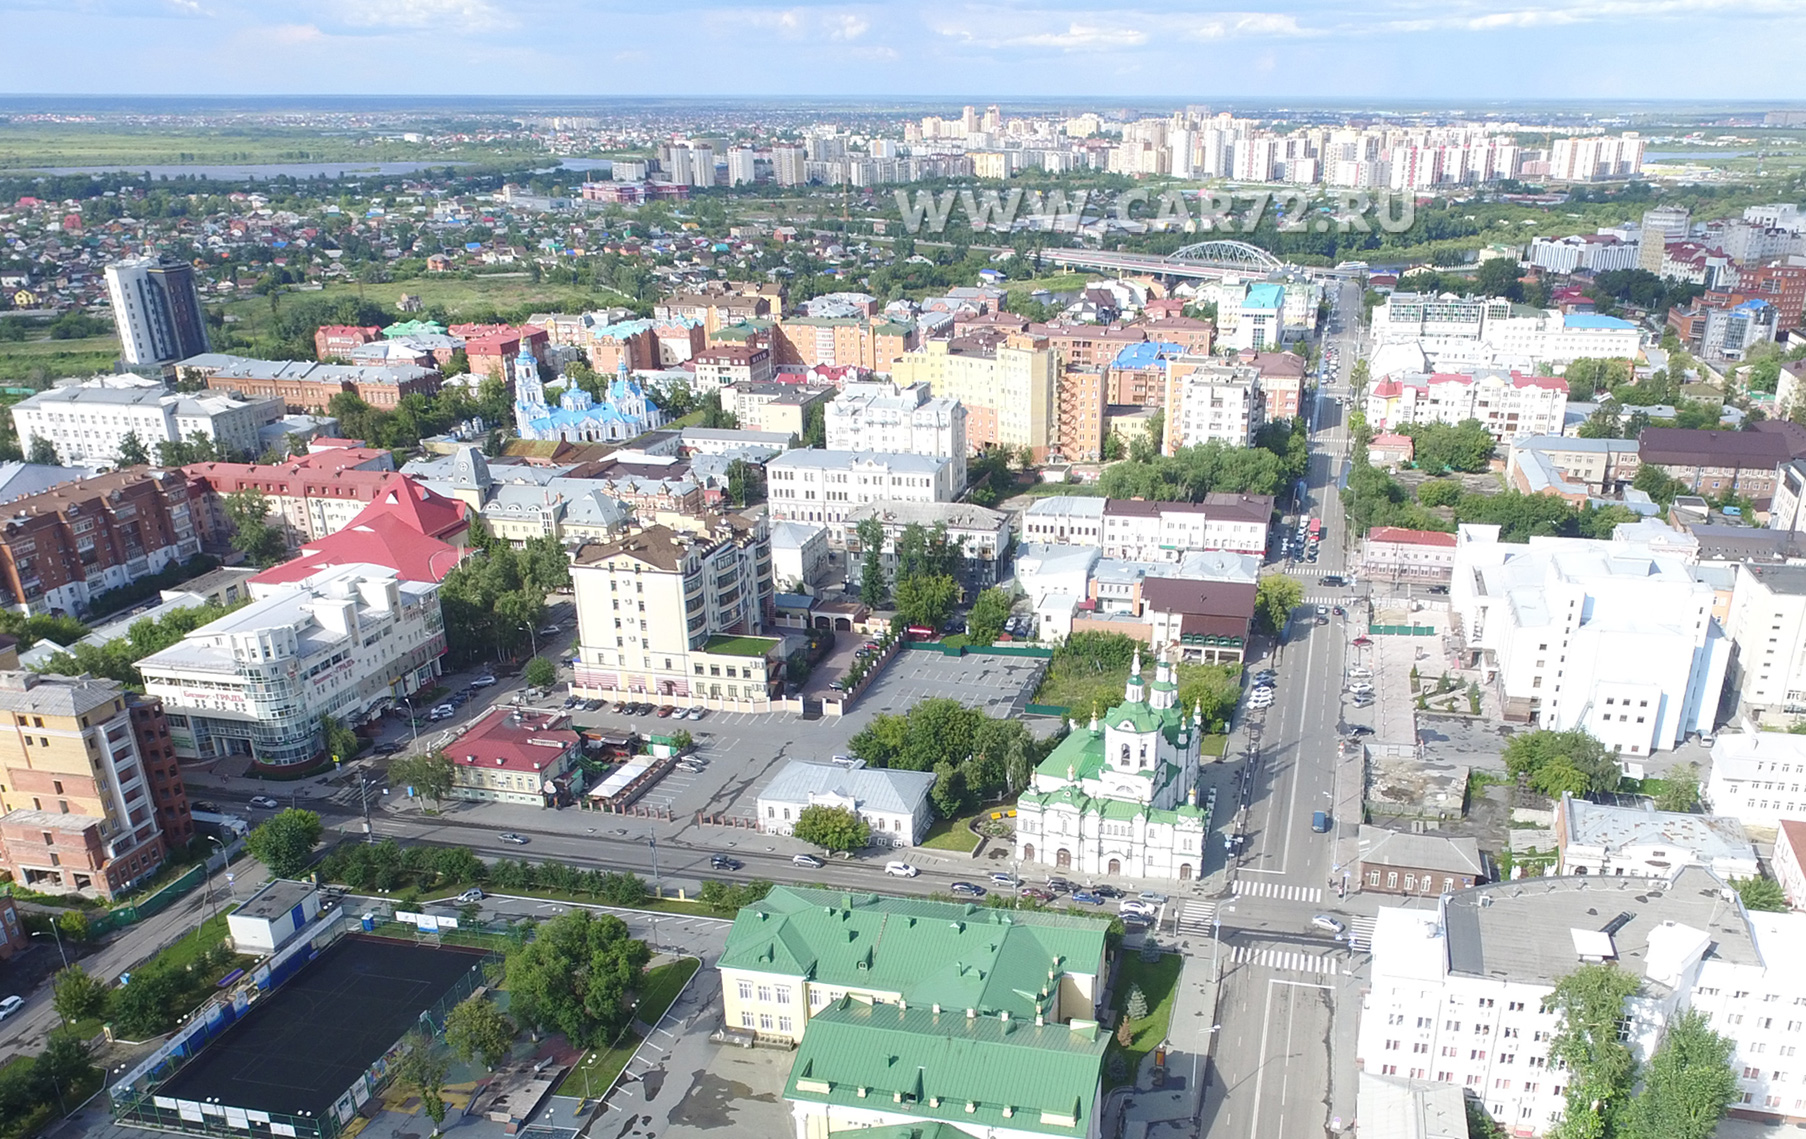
1120, 795
578, 418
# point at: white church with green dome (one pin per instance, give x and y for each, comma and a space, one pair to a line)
1120, 795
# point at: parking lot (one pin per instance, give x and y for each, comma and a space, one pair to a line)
1001, 685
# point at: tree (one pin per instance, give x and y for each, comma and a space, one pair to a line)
247, 510
42, 451
1498, 277
1590, 1001
575, 975
341, 742
1680, 789
1480, 1125
832, 828
1658, 484
78, 994
1759, 893
985, 623
477, 1028
1688, 1084
925, 599
1439, 492
422, 1068
1275, 598
132, 452
541, 673
949, 791
285, 843
872, 588
431, 776
1136, 1007
1554, 762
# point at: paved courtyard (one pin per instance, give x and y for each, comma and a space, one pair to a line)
1001, 685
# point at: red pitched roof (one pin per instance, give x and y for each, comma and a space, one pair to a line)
514, 741
1410, 537
383, 539
424, 511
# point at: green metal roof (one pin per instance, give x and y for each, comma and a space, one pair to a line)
978, 1072
1080, 753
958, 956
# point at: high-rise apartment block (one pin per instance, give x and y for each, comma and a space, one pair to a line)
60, 548
1008, 388
158, 310
899, 418
82, 811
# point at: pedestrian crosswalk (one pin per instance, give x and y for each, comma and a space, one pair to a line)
1360, 932
1250, 888
1195, 917
1286, 959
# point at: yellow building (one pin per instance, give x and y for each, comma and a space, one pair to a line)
80, 809
1010, 391
799, 949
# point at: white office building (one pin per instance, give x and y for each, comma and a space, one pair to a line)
1509, 404
1766, 625
824, 486
1210, 401
1457, 992
904, 419
348, 642
1576, 633
87, 423
1464, 333
1758, 778
1609, 841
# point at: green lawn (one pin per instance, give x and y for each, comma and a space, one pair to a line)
55, 359
661, 987
457, 294
194, 943
952, 834
595, 1070
1159, 982
1213, 744
739, 646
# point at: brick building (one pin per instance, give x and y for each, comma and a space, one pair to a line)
1394, 862
493, 353
60, 548
1711, 462
865, 343
340, 339
306, 387
1079, 403
158, 754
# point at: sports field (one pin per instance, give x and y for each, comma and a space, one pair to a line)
300, 1048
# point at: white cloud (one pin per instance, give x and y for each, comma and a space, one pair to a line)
1081, 36
455, 16
841, 26
1238, 25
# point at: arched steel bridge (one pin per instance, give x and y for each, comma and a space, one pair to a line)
1204, 259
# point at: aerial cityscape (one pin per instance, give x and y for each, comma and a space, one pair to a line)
551, 585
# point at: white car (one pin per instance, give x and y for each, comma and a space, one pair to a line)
264, 803
1360, 688
900, 870
11, 1005
1135, 906
1327, 923
1260, 700
483, 682
471, 895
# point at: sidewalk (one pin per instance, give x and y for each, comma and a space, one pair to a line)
1188, 1060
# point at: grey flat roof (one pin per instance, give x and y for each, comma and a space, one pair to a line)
885, 789
277, 897
1520, 930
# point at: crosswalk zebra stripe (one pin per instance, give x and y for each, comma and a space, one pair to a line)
1255, 889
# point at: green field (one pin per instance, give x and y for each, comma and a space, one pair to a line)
31, 145
952, 834
54, 359
661, 987
459, 297
1159, 982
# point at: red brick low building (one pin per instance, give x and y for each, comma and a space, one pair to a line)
338, 340
1395, 862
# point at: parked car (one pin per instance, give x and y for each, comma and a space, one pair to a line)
900, 870
967, 890
551, 630
471, 895
1325, 922
1086, 897
695, 713
842, 760
11, 1005
1106, 891
1153, 898
594, 705
1036, 895
483, 682
808, 861
723, 862
665, 710
1135, 906
1059, 885
513, 839
690, 766
442, 712
1135, 922
264, 803
1359, 730
1007, 881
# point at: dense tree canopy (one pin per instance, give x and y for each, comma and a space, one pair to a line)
1555, 762
990, 758
576, 977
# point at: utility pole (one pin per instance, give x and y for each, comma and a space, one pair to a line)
363, 787
658, 888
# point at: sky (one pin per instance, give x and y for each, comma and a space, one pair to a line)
1464, 51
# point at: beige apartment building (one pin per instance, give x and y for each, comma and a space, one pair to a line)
81, 813
674, 617
1009, 388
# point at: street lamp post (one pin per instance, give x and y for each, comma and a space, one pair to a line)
57, 935
658, 888
1216, 941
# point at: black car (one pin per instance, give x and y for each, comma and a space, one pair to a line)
723, 862
1106, 891
1359, 730
206, 805
1332, 579
967, 890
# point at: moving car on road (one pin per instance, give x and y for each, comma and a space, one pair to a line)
264, 803
1325, 922
900, 870
513, 839
807, 860
723, 862
967, 890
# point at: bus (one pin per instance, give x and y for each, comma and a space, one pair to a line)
1316, 529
